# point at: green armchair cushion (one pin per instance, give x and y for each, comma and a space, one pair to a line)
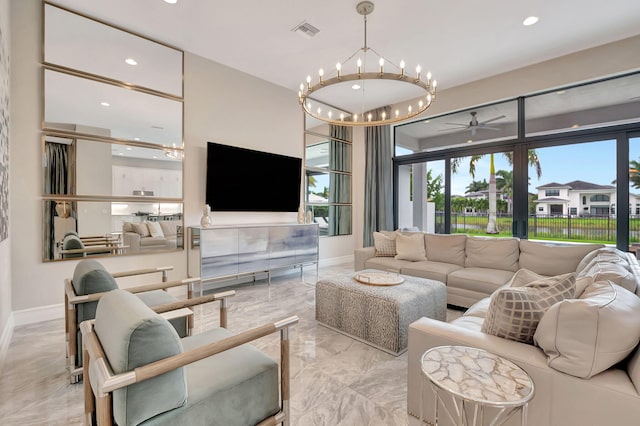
72, 242
132, 335
236, 387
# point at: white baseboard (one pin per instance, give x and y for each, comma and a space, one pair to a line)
5, 339
34, 315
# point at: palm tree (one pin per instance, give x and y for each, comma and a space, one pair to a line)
477, 186
504, 182
534, 160
634, 173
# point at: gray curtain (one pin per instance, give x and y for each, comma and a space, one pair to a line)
339, 184
56, 181
378, 178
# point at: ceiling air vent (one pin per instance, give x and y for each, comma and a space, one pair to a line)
306, 29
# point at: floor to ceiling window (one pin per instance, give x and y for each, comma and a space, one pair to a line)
574, 198
557, 161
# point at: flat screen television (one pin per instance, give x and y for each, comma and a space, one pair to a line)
240, 179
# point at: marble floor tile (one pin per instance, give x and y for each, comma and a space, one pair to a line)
335, 380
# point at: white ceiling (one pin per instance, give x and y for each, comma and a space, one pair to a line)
458, 41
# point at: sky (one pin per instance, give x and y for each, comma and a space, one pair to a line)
593, 162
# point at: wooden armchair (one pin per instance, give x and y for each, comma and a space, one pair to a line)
91, 281
138, 371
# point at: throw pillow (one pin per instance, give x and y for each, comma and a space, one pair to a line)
155, 229
586, 336
385, 245
515, 310
553, 259
410, 247
142, 229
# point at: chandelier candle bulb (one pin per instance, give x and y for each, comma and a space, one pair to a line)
381, 62
418, 69
402, 64
355, 117
369, 117
341, 117
308, 82
338, 67
428, 79
397, 113
359, 64
321, 73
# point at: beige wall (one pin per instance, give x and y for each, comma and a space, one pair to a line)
5, 246
220, 105
225, 106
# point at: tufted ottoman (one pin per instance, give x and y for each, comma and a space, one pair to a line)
378, 315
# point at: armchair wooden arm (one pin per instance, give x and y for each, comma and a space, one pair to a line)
164, 270
102, 381
72, 300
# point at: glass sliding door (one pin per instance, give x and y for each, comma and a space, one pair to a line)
634, 192
482, 194
421, 192
574, 199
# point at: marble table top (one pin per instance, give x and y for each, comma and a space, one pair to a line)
477, 376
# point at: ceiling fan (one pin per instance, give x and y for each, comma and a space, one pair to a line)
474, 124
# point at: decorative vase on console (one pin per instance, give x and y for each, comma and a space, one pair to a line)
309, 217
301, 215
205, 220
63, 209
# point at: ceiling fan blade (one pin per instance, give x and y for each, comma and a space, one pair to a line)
458, 129
489, 128
493, 119
456, 124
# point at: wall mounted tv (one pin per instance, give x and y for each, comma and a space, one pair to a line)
240, 179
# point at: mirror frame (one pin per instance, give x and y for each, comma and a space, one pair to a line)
72, 134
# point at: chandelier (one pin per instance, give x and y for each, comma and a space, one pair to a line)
362, 98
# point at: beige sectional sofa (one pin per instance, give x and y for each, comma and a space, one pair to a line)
471, 267
145, 236
583, 353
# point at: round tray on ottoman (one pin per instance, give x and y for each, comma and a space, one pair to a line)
379, 278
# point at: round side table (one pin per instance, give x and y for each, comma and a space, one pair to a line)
473, 379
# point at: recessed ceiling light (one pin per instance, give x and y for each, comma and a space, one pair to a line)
575, 126
469, 141
171, 1
120, 153
129, 148
427, 121
105, 104
136, 139
530, 21
155, 156
355, 86
561, 92
131, 61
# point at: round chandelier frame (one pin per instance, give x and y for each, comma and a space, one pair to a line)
340, 116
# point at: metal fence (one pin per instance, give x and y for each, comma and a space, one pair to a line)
592, 228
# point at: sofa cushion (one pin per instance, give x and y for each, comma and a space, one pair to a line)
133, 335
608, 264
142, 229
235, 387
515, 310
633, 368
431, 270
483, 280
128, 227
479, 309
410, 247
446, 248
605, 254
155, 230
586, 336
386, 264
494, 253
550, 259
169, 227
385, 245
153, 241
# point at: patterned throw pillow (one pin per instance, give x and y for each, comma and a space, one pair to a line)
385, 245
515, 310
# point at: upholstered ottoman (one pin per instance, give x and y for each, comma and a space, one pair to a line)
378, 315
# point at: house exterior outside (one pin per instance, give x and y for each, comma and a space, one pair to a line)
580, 198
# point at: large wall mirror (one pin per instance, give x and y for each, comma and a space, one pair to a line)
112, 140
328, 165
